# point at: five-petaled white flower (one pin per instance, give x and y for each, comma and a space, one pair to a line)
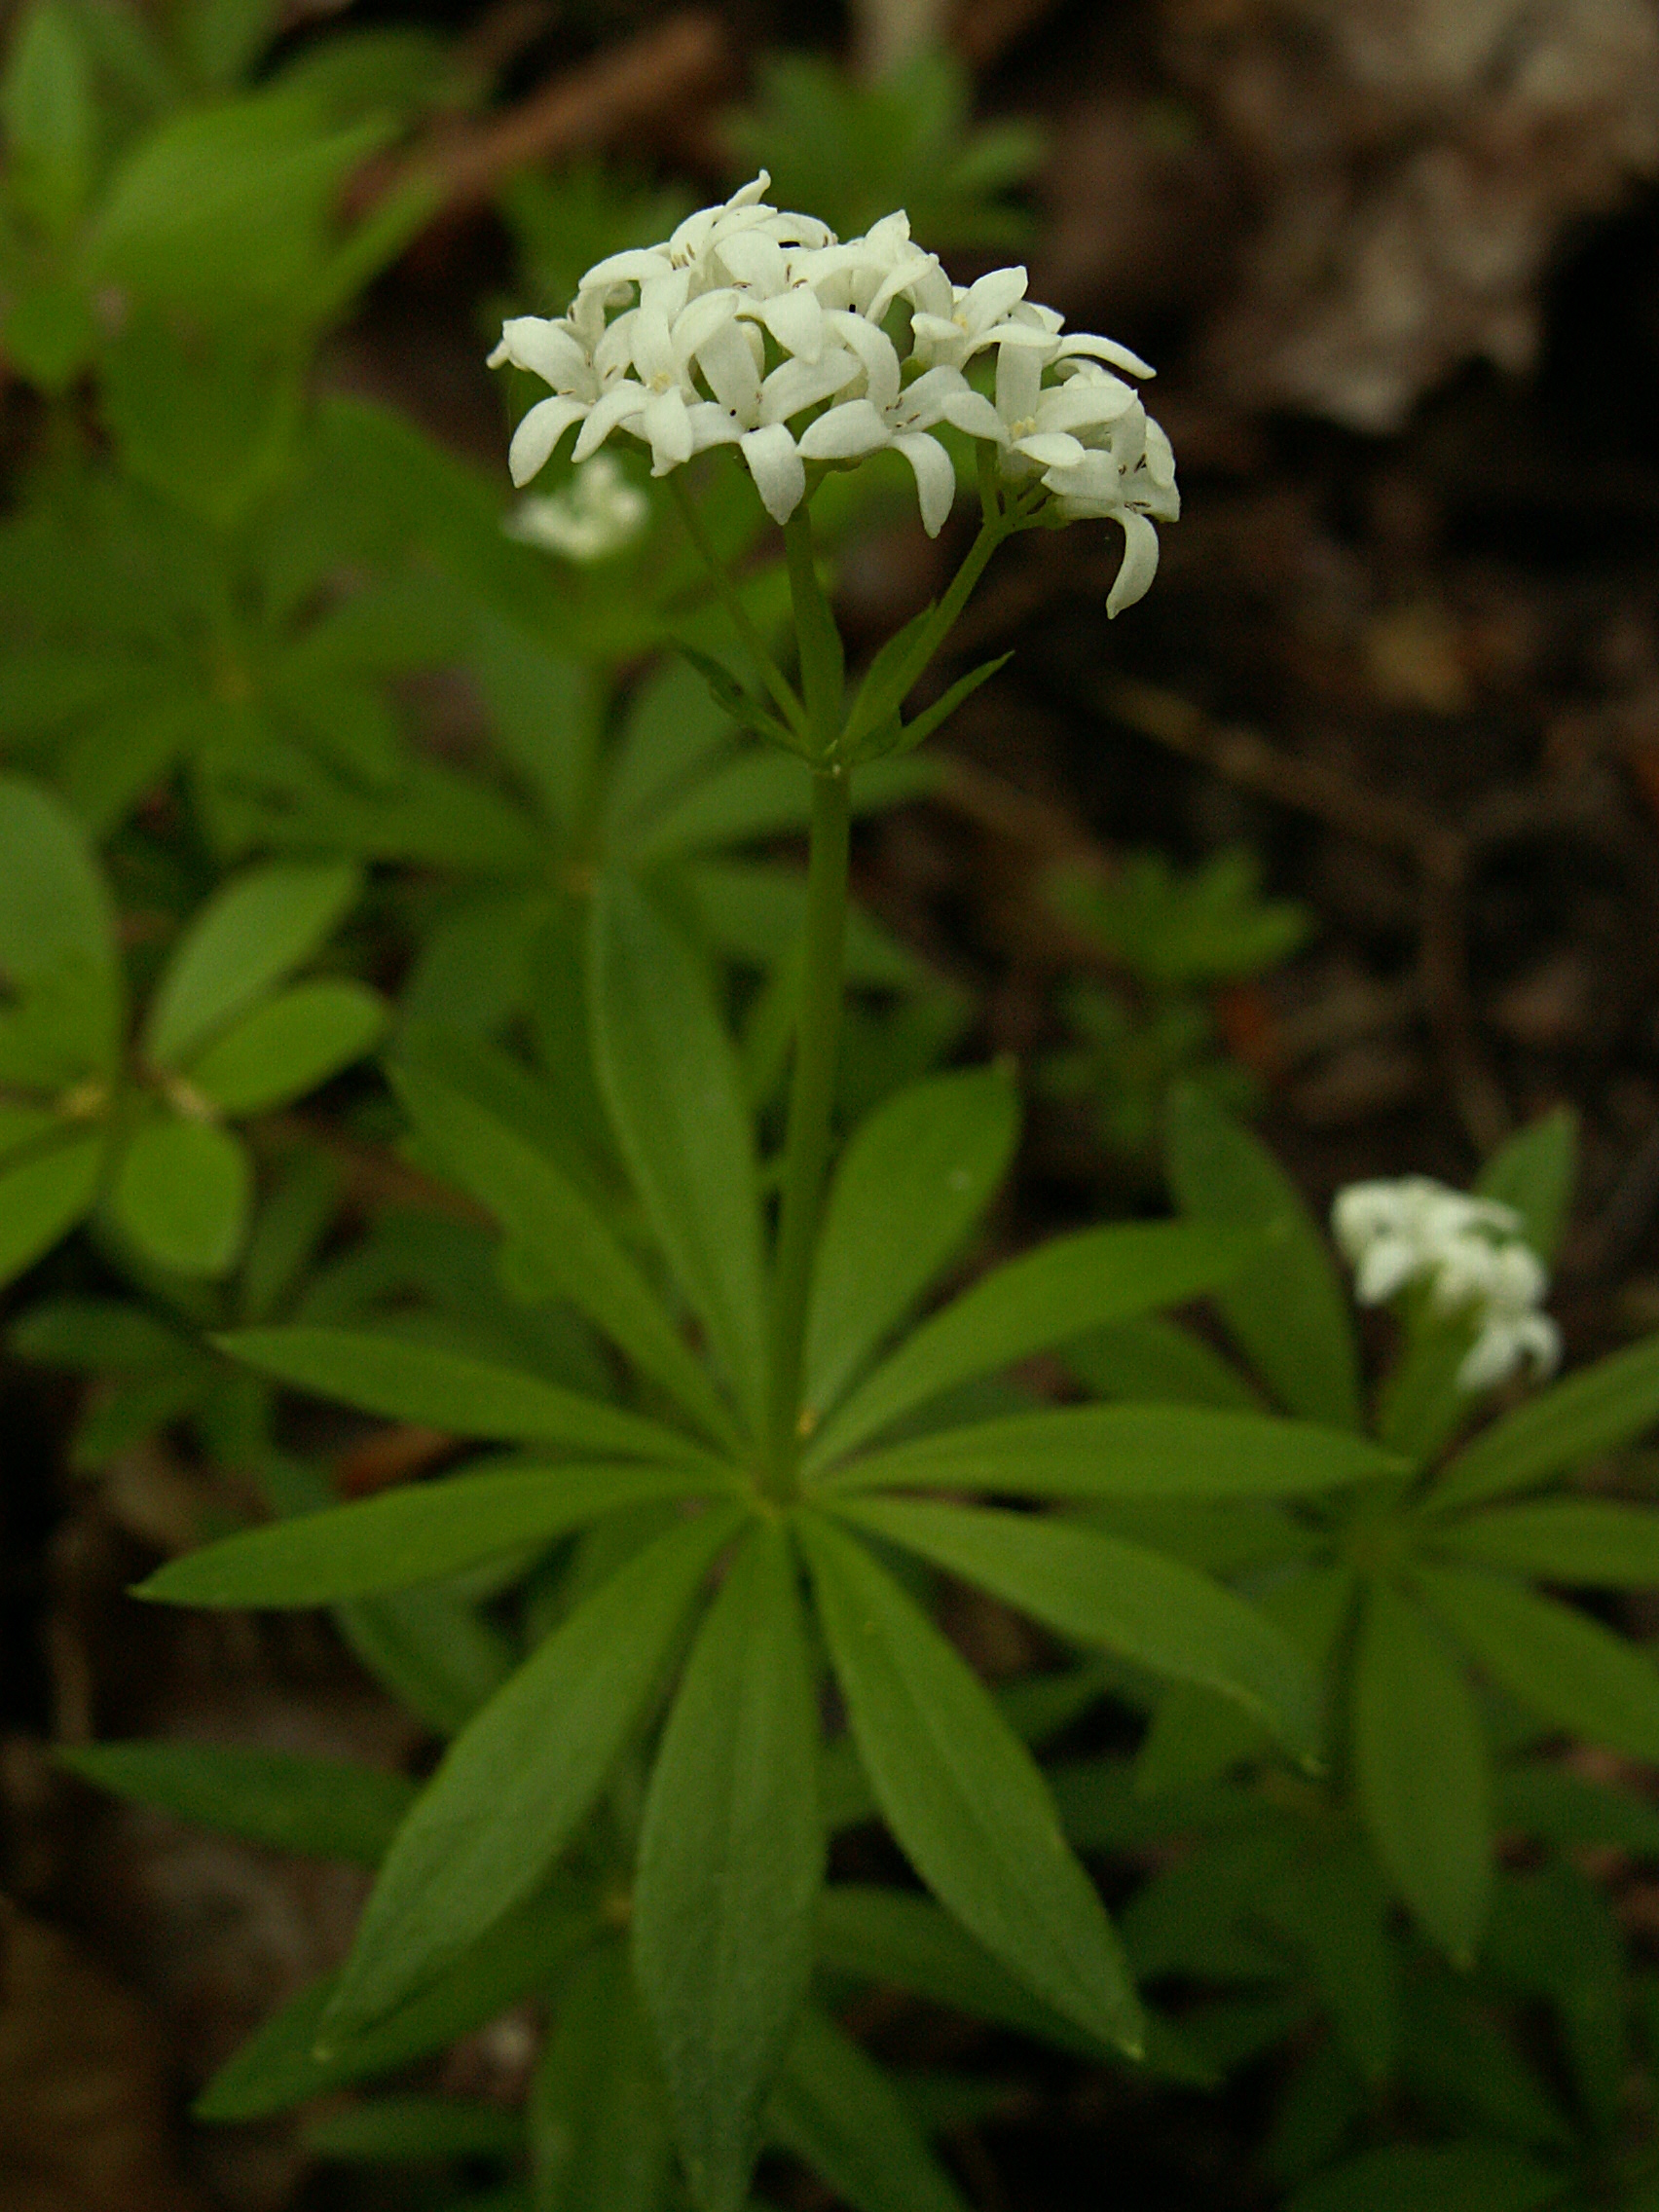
760, 329
1471, 1255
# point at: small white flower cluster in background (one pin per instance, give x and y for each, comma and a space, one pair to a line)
599, 514
1471, 1253
762, 330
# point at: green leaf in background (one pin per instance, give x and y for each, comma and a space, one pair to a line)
50, 121
1412, 2177
572, 1244
963, 1795
1124, 1451
57, 931
279, 2066
671, 1082
1556, 1660
1333, 1907
1421, 1764
910, 1185
209, 421
181, 1191
1287, 1305
289, 1045
255, 930
515, 1782
1571, 1811
731, 1858
1158, 1362
432, 1647
416, 1533
1595, 1411
1096, 1589
1569, 1541
407, 1380
1535, 1172
1043, 1298
838, 2111
597, 2112
322, 1808
414, 2131
43, 1197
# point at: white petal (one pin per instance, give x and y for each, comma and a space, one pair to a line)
712, 425
1159, 455
545, 349
778, 470
1106, 350
935, 479
635, 267
972, 412
1052, 449
989, 299
876, 351
796, 385
755, 263
729, 366
845, 433
667, 425
538, 434
1019, 377
796, 321
620, 404
1388, 1266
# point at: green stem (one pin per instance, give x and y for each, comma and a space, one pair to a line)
770, 674
823, 667
806, 1148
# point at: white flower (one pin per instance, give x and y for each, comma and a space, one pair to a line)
1470, 1253
598, 514
760, 329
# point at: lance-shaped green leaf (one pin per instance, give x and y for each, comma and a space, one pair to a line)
1287, 1305
1124, 1451
675, 1100
1067, 1285
1159, 1362
1552, 1657
56, 928
181, 1191
921, 726
324, 1808
44, 1195
406, 1381
572, 1246
417, 2131
278, 2067
517, 1780
838, 2111
1594, 1411
731, 1858
1096, 1589
598, 2121
1534, 1172
1589, 1541
1420, 1763
962, 1794
915, 1177
289, 1045
416, 1533
256, 930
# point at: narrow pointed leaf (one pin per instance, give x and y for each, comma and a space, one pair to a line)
1452, 2177
409, 1535
963, 1795
837, 2111
731, 1858
1158, 1362
406, 1381
1420, 1763
1555, 1659
289, 1045
517, 1780
56, 926
915, 1177
921, 726
1096, 1589
675, 1100
573, 1248
1596, 1409
181, 1191
1287, 1305
278, 2067
1589, 1541
417, 2131
1124, 1451
322, 1808
1534, 1172
257, 929
43, 1198
1067, 1285
597, 2112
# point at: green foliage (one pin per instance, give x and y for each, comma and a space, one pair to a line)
853, 151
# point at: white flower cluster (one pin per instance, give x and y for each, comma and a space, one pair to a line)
599, 514
1472, 1254
762, 330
